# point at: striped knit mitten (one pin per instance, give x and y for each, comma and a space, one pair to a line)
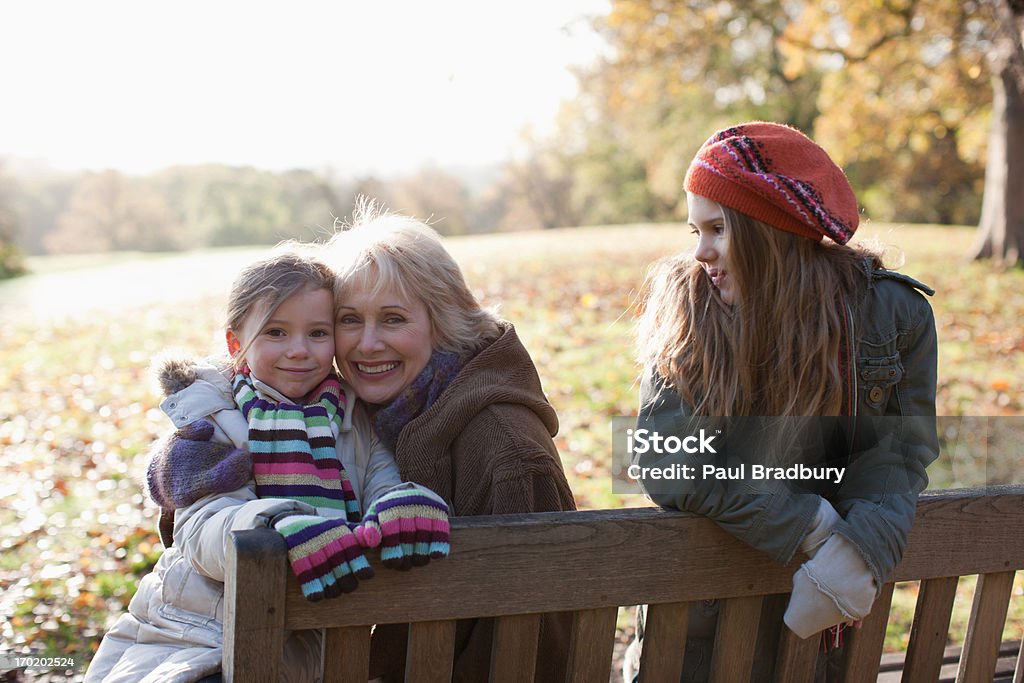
324, 554
410, 525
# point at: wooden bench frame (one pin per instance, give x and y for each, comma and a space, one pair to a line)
593, 562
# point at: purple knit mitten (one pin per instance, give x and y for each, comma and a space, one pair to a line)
188, 466
409, 525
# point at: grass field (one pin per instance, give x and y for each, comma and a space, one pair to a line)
78, 411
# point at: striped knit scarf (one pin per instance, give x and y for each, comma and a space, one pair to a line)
293, 446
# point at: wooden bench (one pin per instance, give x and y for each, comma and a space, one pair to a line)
593, 562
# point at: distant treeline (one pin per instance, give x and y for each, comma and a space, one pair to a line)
217, 205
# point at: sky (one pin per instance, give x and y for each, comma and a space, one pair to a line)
355, 87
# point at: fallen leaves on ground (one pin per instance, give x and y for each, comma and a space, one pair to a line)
78, 410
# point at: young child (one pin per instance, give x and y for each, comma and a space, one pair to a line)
318, 475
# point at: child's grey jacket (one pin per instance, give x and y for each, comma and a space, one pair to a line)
173, 630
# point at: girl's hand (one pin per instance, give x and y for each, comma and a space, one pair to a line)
834, 587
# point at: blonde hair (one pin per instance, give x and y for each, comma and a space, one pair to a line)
265, 284
776, 351
381, 251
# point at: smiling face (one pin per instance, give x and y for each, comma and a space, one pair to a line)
707, 222
293, 351
382, 342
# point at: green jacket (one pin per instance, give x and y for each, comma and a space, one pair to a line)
884, 443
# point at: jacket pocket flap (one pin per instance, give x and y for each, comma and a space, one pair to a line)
886, 371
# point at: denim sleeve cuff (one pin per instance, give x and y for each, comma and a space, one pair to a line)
781, 540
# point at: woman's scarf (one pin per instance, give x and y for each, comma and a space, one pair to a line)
293, 446
439, 372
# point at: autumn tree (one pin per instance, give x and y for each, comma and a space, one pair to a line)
436, 196
109, 212
221, 205
315, 202
541, 186
908, 106
37, 199
375, 188
1001, 230
244, 205
11, 262
674, 71
605, 177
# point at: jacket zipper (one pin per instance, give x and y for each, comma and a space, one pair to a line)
852, 368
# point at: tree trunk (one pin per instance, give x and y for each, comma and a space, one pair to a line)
1001, 230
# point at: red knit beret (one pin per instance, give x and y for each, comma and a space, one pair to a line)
777, 175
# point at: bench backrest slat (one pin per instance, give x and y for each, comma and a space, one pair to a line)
930, 629
591, 645
985, 627
431, 650
354, 664
738, 622
862, 647
514, 656
665, 629
796, 657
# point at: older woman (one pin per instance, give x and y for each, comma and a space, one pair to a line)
452, 392
449, 388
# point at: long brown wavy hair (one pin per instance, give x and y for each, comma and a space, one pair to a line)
775, 352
